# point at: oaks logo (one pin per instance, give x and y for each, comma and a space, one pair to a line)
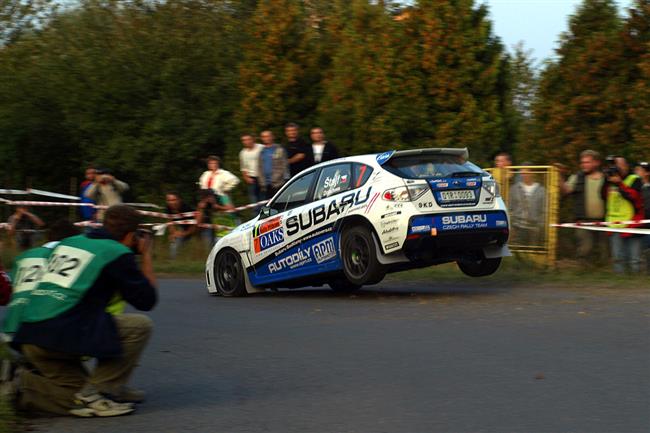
268, 234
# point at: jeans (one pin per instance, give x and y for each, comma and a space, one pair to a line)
253, 191
61, 375
207, 237
626, 251
175, 244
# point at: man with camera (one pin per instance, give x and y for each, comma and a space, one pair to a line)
623, 202
106, 190
66, 320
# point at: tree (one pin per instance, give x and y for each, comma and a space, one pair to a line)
523, 83
636, 45
581, 100
279, 71
461, 63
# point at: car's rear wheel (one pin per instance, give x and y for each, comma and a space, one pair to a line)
229, 274
342, 285
479, 267
359, 256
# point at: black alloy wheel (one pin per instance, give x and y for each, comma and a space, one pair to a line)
359, 254
229, 274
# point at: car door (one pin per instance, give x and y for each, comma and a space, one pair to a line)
273, 257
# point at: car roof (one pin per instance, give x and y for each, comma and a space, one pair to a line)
372, 158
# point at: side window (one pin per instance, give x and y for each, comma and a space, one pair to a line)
333, 180
361, 174
295, 194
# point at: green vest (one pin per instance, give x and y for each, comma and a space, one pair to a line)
72, 268
619, 209
27, 271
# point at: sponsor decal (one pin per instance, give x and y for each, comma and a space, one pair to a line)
268, 234
389, 222
372, 201
470, 183
383, 157
389, 230
303, 239
463, 219
394, 206
391, 238
459, 221
427, 204
324, 212
390, 214
392, 246
324, 250
299, 258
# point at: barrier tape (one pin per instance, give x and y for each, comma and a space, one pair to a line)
604, 226
142, 212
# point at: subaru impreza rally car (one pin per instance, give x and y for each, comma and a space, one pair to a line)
348, 222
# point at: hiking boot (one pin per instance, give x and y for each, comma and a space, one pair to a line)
127, 395
98, 405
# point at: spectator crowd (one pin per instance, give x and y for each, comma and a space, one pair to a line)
611, 190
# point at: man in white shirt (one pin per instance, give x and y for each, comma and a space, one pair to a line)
249, 158
219, 181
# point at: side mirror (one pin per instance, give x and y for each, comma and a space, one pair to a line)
265, 212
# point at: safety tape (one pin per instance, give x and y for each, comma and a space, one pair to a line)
160, 228
600, 223
142, 212
603, 228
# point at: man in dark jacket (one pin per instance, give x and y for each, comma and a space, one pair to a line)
299, 153
66, 319
589, 206
322, 149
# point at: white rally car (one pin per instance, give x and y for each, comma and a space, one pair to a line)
349, 221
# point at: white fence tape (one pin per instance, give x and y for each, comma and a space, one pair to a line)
604, 226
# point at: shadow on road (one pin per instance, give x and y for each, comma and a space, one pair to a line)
392, 290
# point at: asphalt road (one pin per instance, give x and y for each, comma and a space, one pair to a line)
403, 357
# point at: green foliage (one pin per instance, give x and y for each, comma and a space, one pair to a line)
149, 88
595, 94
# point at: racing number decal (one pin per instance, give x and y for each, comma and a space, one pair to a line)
29, 274
66, 265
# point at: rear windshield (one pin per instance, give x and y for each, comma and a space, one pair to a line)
426, 166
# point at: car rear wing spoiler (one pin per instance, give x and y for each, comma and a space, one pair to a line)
462, 152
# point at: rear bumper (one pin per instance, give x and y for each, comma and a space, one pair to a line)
448, 236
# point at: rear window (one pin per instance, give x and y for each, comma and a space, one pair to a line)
427, 166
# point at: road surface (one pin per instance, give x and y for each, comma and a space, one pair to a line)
400, 357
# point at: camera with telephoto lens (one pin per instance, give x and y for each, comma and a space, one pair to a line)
140, 233
610, 167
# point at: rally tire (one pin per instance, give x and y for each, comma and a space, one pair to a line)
229, 274
342, 285
359, 257
479, 267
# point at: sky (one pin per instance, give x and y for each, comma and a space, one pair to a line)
538, 23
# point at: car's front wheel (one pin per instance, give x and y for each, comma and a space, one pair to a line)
229, 274
479, 267
359, 256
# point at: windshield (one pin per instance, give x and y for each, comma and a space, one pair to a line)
427, 166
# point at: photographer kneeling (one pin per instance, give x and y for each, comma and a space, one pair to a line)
622, 195
66, 320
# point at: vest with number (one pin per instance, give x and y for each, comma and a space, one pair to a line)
72, 269
27, 271
619, 209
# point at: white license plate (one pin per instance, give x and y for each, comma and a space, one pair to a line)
465, 194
